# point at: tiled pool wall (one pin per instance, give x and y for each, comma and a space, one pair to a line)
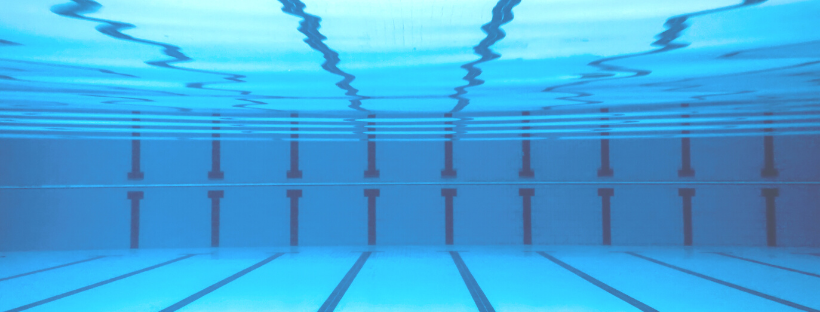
78, 194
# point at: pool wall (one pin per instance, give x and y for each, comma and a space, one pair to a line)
43, 205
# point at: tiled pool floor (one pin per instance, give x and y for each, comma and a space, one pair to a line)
424, 278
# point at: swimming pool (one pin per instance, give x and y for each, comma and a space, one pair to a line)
409, 155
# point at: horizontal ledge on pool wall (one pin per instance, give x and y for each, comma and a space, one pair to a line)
88, 186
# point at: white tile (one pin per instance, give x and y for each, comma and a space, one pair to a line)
293, 282
408, 279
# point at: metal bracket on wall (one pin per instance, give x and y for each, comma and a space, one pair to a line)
371, 171
215, 173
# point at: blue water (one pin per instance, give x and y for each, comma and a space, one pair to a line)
510, 155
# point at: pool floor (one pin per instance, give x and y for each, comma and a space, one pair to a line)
420, 278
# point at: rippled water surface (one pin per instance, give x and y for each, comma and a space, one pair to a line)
408, 70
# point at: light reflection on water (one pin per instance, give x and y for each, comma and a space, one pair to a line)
396, 70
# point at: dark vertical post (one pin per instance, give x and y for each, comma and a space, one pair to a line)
606, 223
215, 173
526, 168
686, 194
135, 173
371, 195
215, 196
448, 171
371, 171
294, 216
448, 194
135, 198
605, 170
771, 216
685, 152
294, 172
527, 194
769, 171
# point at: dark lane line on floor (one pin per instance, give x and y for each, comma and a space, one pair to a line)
219, 284
51, 268
617, 293
111, 280
480, 299
727, 284
337, 294
766, 264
